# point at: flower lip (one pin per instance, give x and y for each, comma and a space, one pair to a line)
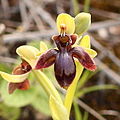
23, 68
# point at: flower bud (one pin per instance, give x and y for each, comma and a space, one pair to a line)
82, 23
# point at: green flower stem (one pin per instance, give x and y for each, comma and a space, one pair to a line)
47, 85
83, 79
75, 6
71, 90
95, 88
86, 5
85, 117
78, 114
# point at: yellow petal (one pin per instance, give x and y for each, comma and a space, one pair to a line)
91, 52
14, 78
68, 21
59, 112
85, 42
28, 53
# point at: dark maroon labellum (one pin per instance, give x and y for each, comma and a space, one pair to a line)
64, 69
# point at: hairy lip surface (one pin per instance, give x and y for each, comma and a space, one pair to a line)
65, 69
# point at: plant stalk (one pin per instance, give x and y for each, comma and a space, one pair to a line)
47, 85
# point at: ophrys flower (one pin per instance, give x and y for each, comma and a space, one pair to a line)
63, 57
19, 77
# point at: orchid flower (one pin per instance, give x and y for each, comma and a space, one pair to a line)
18, 78
63, 58
66, 58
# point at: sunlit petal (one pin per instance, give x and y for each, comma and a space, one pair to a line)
14, 78
28, 53
68, 21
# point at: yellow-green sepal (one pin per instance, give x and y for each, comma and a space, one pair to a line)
82, 23
43, 48
68, 21
91, 52
29, 54
14, 78
85, 42
59, 112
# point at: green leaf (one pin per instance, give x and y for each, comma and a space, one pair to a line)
85, 116
47, 85
95, 88
41, 101
78, 114
82, 23
5, 67
59, 112
41, 104
84, 79
19, 98
9, 113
